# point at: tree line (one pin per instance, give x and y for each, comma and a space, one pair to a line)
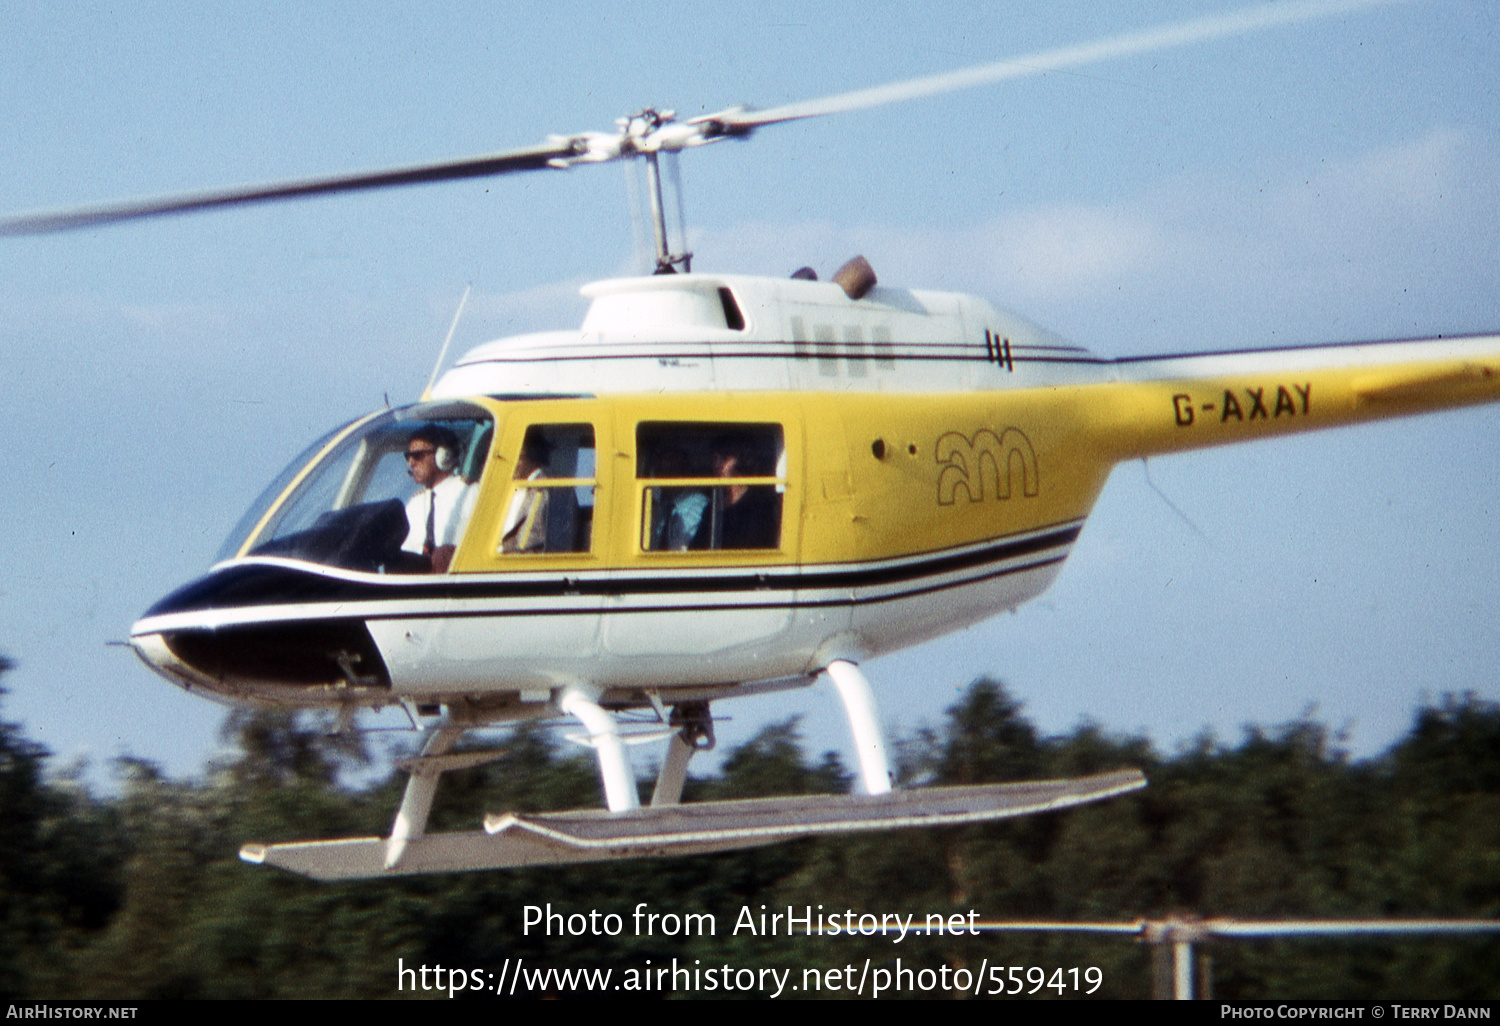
140, 893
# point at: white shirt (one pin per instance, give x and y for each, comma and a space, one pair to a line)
524, 529
452, 500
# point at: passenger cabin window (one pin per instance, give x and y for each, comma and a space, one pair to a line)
710, 486
551, 508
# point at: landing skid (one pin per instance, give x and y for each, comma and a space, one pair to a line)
557, 838
625, 830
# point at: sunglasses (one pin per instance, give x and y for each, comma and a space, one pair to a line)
418, 455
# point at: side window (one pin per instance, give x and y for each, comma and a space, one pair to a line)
710, 486
551, 508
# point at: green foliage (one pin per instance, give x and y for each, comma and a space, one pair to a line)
60, 857
987, 740
142, 894
276, 748
772, 763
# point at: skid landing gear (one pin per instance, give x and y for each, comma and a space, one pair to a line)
694, 732
666, 827
864, 723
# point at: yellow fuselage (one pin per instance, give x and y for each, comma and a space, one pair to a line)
874, 476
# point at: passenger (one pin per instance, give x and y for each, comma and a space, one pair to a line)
749, 515
680, 523
525, 527
436, 515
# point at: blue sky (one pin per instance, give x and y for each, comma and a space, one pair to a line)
1328, 181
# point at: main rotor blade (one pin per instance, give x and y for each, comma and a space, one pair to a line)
530, 159
1166, 37
664, 135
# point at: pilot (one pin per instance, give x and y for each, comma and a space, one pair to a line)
437, 514
525, 527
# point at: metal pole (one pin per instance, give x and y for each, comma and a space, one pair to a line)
1182, 970
864, 724
658, 213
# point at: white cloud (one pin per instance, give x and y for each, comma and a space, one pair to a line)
1055, 253
540, 308
1399, 238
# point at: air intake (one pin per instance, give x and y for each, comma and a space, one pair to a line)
856, 278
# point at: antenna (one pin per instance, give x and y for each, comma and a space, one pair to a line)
443, 353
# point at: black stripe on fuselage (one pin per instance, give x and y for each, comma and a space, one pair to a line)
1015, 358
957, 352
990, 352
802, 602
250, 585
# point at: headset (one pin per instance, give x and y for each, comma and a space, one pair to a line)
444, 441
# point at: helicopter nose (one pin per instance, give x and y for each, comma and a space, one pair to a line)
252, 633
153, 650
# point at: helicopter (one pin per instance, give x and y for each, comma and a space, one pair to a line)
859, 343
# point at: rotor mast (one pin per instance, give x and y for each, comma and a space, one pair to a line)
644, 134
666, 260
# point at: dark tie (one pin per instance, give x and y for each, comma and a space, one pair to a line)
431, 543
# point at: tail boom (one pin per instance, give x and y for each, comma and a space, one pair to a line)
1170, 404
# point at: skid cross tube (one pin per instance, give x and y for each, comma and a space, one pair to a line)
864, 724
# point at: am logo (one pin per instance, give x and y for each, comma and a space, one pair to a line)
985, 464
